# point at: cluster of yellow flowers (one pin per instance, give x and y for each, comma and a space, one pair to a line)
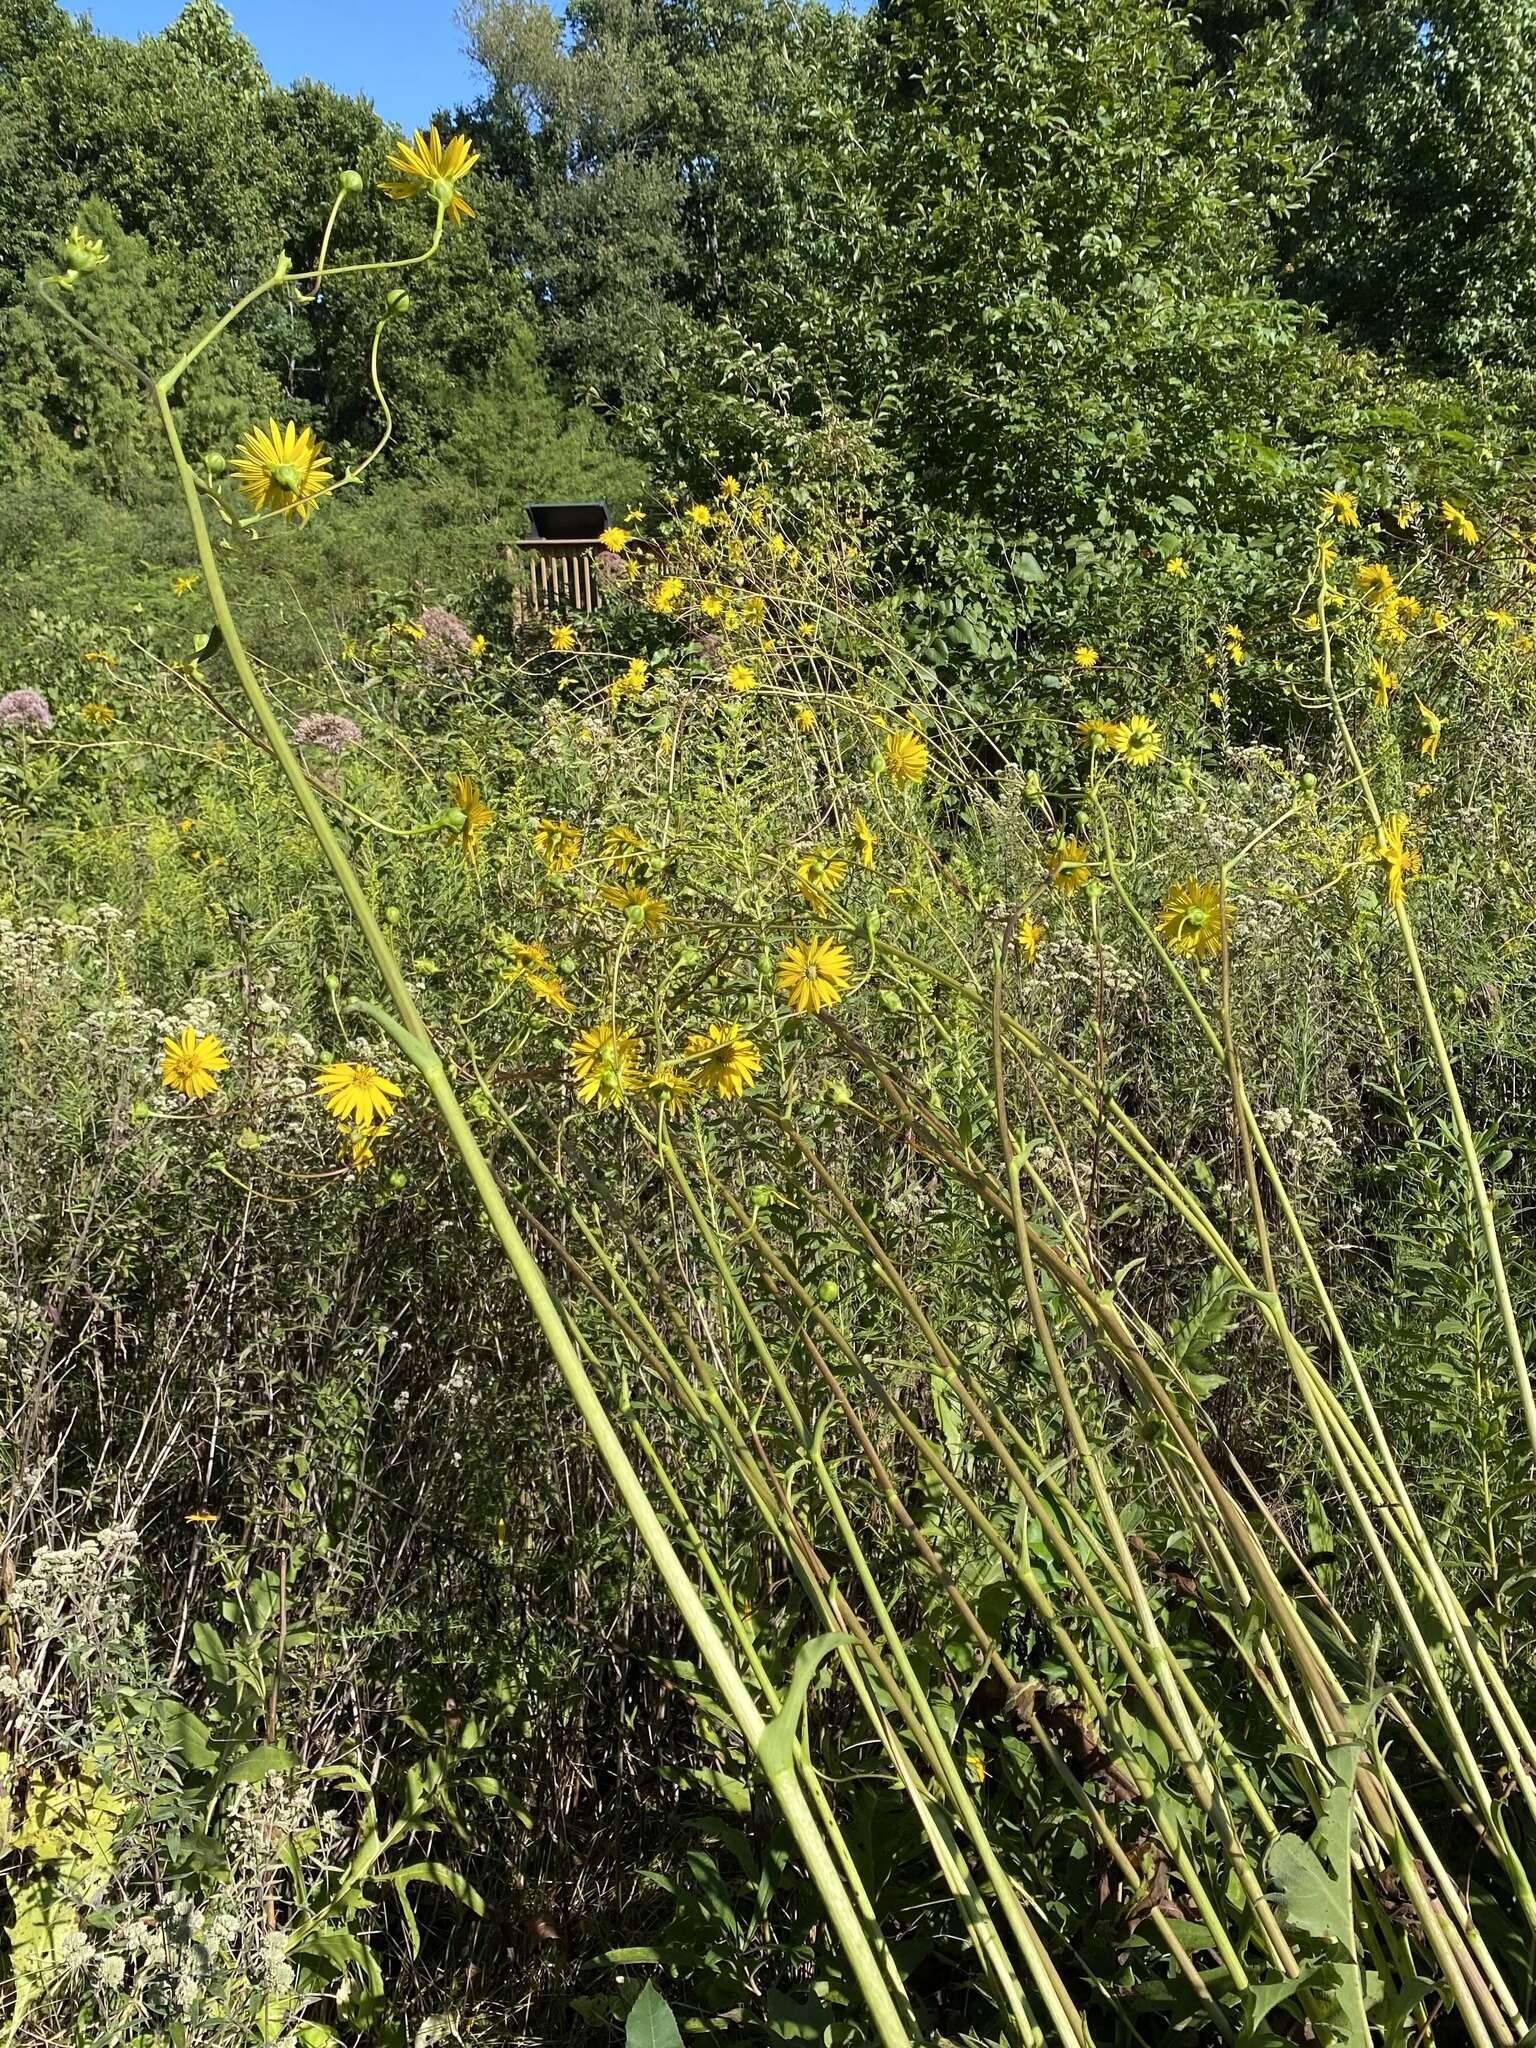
357, 1095
1135, 739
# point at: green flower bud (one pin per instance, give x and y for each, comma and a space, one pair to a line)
827, 1292
397, 302
1309, 782
351, 181
214, 463
332, 983
397, 1180
80, 255
391, 913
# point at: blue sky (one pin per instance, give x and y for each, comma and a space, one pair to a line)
406, 55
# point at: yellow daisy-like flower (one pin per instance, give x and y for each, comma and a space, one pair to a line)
1194, 921
1407, 512
562, 639
667, 595
100, 654
1143, 741
360, 1154
1030, 936
632, 682
606, 1063
557, 844
192, 1064
475, 815
1069, 864
741, 678
624, 850
1237, 653
723, 1059
814, 974
647, 913
1505, 621
1458, 522
1103, 735
805, 718
1390, 849
1434, 724
180, 585
430, 168
670, 1088
1085, 657
357, 1093
1176, 566
282, 469
729, 487
713, 604
1375, 583
615, 539
549, 988
1341, 506
98, 714
1384, 683
700, 515
818, 877
905, 755
864, 840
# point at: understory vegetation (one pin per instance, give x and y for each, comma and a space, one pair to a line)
796, 1310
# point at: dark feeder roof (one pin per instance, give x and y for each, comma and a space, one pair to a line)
567, 522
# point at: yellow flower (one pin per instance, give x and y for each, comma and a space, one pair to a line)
1429, 746
1505, 621
1143, 742
407, 629
361, 1155
476, 647
623, 850
671, 1088
282, 469
1069, 865
1102, 735
976, 1765
191, 1064
1341, 505
549, 988
1194, 921
1458, 522
713, 604
1384, 681
98, 714
180, 585
1407, 512
631, 682
818, 877
1030, 935
1085, 657
1176, 566
557, 844
643, 910
723, 1059
431, 168
562, 639
615, 539
864, 839
667, 595
606, 1063
906, 758
1391, 850
805, 718
475, 813
740, 677
700, 515
1237, 654
814, 974
357, 1093
729, 487
100, 654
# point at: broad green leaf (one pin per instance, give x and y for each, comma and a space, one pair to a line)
650, 2023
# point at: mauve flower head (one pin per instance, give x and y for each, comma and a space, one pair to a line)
444, 642
328, 730
24, 711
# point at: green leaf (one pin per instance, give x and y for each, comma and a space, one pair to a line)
777, 1748
650, 2023
260, 1762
